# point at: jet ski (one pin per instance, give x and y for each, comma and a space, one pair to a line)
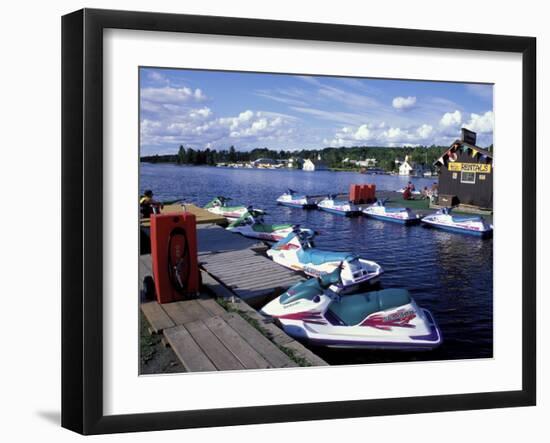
296, 251
219, 206
251, 224
386, 319
340, 207
294, 200
380, 211
464, 224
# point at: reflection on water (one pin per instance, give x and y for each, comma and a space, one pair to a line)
449, 274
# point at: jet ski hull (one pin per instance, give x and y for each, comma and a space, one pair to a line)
402, 221
297, 205
474, 226
344, 213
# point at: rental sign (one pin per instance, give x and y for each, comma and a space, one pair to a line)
470, 167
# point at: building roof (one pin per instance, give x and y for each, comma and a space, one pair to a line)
265, 161
458, 144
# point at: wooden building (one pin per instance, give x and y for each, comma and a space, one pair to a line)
466, 173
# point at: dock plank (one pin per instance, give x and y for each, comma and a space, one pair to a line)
212, 306
202, 216
183, 312
240, 348
213, 239
254, 279
156, 316
218, 354
187, 350
261, 344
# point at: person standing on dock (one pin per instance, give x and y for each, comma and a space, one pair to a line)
148, 205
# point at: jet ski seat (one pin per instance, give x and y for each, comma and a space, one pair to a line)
318, 257
353, 309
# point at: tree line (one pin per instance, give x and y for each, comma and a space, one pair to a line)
333, 157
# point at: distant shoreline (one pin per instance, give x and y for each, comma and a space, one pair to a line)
357, 170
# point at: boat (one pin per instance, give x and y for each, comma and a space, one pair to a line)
294, 200
315, 311
340, 207
414, 192
297, 252
251, 224
219, 206
380, 211
464, 224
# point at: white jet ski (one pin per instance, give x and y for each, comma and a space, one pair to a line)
387, 319
251, 224
297, 252
340, 207
294, 200
464, 224
380, 211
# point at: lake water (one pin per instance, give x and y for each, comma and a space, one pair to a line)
449, 274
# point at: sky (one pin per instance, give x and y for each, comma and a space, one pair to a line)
217, 109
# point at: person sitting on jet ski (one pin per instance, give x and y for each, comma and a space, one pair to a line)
148, 205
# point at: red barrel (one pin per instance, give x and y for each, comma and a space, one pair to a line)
372, 193
355, 193
364, 193
174, 256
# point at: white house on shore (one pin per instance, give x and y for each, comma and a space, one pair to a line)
314, 165
408, 167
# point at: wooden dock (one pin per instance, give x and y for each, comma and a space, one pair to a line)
206, 337
239, 264
202, 215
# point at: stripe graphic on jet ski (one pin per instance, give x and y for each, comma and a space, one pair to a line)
306, 316
399, 319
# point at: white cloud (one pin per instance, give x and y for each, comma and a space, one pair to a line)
198, 128
481, 123
403, 102
170, 95
425, 131
363, 133
393, 134
201, 113
451, 119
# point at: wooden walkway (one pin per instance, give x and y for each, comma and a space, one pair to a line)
253, 277
206, 337
202, 215
213, 239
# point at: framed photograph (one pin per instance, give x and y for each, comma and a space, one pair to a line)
269, 221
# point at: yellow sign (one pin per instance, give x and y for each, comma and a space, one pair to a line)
470, 167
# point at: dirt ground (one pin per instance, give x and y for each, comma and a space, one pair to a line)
155, 358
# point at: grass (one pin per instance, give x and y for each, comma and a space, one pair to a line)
300, 361
147, 342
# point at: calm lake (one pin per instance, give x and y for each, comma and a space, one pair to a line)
449, 274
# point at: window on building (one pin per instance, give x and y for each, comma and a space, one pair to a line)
468, 177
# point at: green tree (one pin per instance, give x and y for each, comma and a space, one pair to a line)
232, 154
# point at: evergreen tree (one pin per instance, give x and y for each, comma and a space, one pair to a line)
232, 154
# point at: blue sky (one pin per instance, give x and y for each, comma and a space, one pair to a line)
216, 109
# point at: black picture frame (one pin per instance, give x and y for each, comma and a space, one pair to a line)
82, 218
